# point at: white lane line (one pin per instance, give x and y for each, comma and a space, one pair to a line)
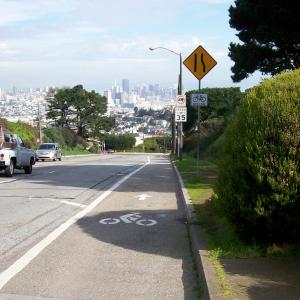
60, 201
23, 261
73, 203
7, 181
51, 172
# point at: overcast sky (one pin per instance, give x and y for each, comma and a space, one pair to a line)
95, 42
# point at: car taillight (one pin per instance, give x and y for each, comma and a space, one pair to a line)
1, 155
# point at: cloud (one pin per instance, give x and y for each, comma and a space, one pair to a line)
103, 39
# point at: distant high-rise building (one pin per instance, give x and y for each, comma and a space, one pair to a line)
125, 85
109, 98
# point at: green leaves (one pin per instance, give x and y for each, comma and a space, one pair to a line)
222, 103
76, 107
119, 142
259, 173
270, 36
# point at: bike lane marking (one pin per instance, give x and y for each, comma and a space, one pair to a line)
23, 261
135, 218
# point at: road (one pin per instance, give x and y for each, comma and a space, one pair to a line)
97, 227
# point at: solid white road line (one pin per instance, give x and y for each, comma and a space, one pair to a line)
73, 203
8, 181
22, 262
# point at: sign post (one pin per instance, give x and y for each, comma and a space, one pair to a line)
180, 116
199, 62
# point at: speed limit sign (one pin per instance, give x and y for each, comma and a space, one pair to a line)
180, 114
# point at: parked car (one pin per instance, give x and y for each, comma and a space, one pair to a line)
14, 154
110, 151
50, 151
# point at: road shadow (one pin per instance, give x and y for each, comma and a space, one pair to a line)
264, 278
159, 232
96, 176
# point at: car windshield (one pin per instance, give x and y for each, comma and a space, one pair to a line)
47, 146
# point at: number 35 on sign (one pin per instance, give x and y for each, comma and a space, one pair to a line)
180, 114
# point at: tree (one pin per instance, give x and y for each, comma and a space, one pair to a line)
79, 108
222, 103
119, 142
270, 34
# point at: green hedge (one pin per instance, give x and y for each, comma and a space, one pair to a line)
259, 171
119, 142
27, 133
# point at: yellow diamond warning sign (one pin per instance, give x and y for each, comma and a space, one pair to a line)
199, 62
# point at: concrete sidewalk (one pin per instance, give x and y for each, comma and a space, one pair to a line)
262, 278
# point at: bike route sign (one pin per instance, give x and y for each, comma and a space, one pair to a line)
199, 100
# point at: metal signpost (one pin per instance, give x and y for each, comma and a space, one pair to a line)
199, 62
180, 116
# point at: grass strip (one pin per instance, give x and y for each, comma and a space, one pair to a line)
223, 241
75, 151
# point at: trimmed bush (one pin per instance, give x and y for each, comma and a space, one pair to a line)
259, 171
119, 142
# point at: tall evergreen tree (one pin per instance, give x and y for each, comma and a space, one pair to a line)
270, 36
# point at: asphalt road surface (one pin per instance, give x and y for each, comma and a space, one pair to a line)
98, 227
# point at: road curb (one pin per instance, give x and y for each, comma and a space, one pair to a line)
81, 155
206, 271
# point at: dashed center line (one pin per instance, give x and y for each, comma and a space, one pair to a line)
61, 201
73, 203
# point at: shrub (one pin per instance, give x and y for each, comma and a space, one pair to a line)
64, 136
151, 145
27, 133
119, 142
259, 171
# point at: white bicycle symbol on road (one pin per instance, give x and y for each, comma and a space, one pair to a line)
129, 218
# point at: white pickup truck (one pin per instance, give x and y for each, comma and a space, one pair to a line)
14, 154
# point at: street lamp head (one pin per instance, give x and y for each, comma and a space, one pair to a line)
152, 49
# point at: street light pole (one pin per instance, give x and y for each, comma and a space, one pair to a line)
180, 137
179, 124
40, 126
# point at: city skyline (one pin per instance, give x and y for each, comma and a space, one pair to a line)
72, 42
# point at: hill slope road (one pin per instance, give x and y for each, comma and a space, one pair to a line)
128, 240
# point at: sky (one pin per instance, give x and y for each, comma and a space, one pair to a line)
98, 42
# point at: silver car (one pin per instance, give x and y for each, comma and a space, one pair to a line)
50, 151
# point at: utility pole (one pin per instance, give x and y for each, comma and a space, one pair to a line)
173, 131
40, 126
179, 143
180, 139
